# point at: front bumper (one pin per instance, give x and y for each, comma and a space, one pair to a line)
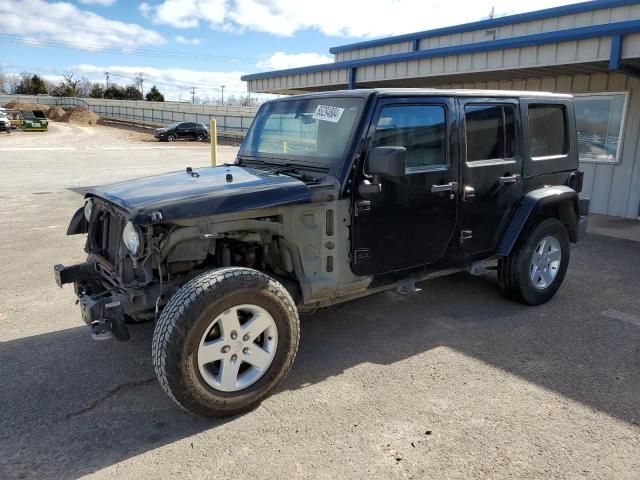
104, 307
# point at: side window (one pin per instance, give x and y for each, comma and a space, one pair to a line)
419, 128
547, 131
490, 132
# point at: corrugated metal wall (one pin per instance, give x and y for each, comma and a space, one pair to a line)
614, 189
585, 19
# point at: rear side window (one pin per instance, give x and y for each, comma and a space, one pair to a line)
418, 128
547, 131
491, 132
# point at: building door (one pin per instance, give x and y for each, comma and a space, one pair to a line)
491, 171
411, 221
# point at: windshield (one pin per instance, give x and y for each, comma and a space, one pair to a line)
316, 130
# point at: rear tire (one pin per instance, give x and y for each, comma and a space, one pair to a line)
205, 335
535, 269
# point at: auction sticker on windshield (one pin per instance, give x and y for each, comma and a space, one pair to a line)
328, 113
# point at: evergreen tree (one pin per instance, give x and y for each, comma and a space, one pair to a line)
154, 95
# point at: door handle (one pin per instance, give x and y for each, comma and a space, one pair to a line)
447, 187
509, 179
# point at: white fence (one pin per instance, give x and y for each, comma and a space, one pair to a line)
229, 119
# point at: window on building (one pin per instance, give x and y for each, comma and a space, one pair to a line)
490, 132
418, 128
547, 131
599, 121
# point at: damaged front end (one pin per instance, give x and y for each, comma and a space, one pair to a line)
122, 280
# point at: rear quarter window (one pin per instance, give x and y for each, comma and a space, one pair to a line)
548, 131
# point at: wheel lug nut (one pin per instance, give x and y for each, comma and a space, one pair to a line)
246, 337
234, 335
234, 357
245, 350
226, 349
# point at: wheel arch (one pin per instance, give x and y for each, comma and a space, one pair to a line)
559, 202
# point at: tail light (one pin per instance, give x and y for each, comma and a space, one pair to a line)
579, 180
576, 179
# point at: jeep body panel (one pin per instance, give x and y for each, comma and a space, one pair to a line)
202, 192
311, 226
561, 196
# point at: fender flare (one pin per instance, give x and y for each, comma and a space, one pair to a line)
78, 223
535, 201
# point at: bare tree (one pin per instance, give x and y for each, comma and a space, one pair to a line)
12, 81
3, 81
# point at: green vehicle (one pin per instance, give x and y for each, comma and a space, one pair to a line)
34, 121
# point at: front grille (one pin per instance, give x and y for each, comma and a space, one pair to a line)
105, 233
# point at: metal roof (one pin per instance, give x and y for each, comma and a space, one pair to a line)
610, 29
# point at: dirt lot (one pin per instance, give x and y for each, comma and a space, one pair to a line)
455, 382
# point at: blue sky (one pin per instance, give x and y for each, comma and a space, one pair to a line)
179, 44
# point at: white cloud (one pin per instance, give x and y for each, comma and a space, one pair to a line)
145, 9
346, 18
104, 3
41, 22
281, 60
172, 82
188, 41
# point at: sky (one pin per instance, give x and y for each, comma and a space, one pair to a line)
204, 44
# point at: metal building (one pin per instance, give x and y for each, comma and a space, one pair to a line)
590, 49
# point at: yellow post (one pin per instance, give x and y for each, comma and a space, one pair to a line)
213, 133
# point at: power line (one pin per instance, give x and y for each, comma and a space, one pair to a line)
144, 52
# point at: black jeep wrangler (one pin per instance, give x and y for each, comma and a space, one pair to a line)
332, 197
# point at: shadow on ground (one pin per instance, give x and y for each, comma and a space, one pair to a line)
84, 405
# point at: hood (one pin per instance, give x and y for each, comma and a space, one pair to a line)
204, 191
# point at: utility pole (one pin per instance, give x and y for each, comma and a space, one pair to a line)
222, 97
107, 74
193, 95
140, 82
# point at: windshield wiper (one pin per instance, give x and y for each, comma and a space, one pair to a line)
292, 172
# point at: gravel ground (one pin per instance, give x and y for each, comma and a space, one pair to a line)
454, 382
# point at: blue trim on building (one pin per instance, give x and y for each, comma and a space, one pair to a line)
595, 31
491, 23
351, 80
615, 58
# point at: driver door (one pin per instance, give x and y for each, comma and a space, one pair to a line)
410, 222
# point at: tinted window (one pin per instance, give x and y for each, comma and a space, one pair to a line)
491, 132
418, 128
547, 131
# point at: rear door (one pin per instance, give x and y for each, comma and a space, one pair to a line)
184, 130
411, 221
491, 170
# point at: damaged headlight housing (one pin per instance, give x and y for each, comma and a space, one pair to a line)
131, 238
88, 206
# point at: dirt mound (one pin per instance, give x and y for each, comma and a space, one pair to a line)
81, 115
56, 113
27, 106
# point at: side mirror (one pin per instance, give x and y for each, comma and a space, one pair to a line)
389, 162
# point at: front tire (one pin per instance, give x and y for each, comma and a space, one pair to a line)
171, 138
534, 271
225, 340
